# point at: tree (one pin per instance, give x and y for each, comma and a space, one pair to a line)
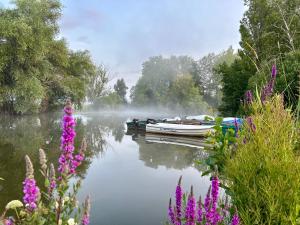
97, 84
37, 70
157, 75
235, 81
183, 94
269, 33
121, 89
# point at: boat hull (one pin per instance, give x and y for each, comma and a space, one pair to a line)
178, 129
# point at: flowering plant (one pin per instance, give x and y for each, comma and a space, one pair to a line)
211, 212
55, 203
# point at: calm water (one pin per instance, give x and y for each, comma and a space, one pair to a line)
130, 178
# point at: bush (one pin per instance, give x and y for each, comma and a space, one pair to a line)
264, 175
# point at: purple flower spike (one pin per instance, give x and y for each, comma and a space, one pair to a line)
248, 97
66, 165
9, 221
274, 71
251, 124
171, 213
178, 202
235, 219
199, 211
190, 209
86, 214
31, 194
30, 189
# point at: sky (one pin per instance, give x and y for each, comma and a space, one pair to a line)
122, 34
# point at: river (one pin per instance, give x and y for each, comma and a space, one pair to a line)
129, 177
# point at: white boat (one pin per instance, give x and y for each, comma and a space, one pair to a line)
180, 129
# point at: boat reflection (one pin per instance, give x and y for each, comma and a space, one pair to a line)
176, 140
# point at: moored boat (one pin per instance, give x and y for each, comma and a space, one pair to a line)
180, 129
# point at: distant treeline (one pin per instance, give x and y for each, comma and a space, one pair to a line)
38, 72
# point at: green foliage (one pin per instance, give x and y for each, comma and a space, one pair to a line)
184, 94
111, 100
287, 80
235, 81
37, 70
97, 83
222, 146
269, 32
264, 174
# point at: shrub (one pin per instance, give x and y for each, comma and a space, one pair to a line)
264, 175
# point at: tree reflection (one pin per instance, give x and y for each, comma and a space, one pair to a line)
25, 135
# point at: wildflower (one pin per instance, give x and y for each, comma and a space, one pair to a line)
9, 221
268, 89
30, 189
86, 214
248, 97
235, 219
199, 211
171, 213
207, 200
251, 124
178, 201
71, 221
13, 204
67, 140
79, 157
190, 209
236, 127
43, 160
274, 71
52, 179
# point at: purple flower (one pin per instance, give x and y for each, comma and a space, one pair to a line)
31, 194
267, 91
171, 213
178, 201
274, 71
190, 209
9, 221
199, 211
235, 219
86, 214
30, 189
248, 97
251, 124
215, 195
85, 220
236, 127
66, 164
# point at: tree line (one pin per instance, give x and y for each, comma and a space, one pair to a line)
38, 71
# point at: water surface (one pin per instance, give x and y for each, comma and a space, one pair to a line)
129, 179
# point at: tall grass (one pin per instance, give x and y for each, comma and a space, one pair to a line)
264, 175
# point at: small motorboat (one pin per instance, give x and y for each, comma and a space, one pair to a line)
136, 124
180, 129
